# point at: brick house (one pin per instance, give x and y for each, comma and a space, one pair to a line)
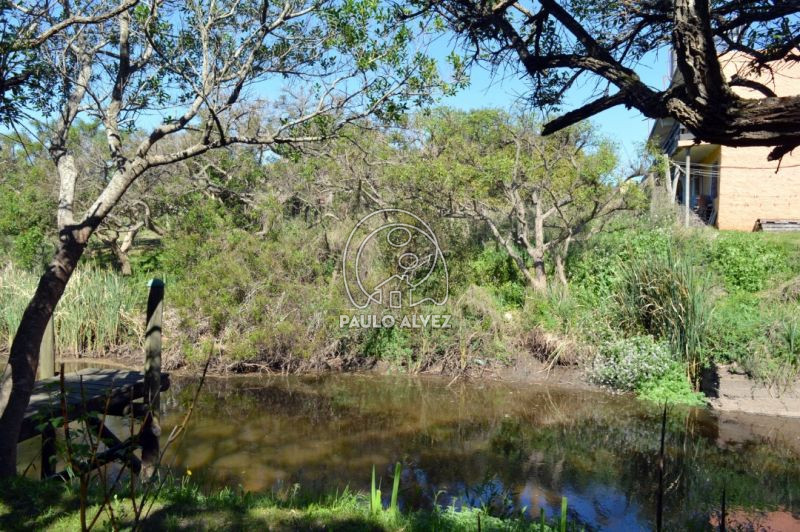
730, 187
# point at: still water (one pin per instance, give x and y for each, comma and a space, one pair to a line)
508, 447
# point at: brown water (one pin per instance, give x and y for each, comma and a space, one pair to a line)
510, 448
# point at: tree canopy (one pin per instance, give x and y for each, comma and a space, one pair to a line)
555, 44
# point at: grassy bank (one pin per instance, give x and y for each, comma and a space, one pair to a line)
29, 505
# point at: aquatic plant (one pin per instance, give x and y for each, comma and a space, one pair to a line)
375, 502
99, 309
395, 487
666, 297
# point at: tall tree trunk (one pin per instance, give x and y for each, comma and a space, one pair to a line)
24, 357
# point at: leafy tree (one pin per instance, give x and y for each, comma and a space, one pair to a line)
537, 195
199, 70
555, 43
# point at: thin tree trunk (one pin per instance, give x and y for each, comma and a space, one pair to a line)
537, 252
123, 259
24, 356
560, 257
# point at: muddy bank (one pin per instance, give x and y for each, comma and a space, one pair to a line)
726, 390
731, 391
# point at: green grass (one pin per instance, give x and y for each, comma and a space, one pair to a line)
29, 505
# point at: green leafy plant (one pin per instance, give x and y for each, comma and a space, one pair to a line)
746, 261
395, 487
375, 504
672, 387
375, 501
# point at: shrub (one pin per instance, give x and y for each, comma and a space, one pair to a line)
495, 269
775, 358
747, 260
737, 321
261, 299
599, 266
671, 387
627, 363
665, 297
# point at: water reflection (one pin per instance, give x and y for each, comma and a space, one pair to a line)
508, 447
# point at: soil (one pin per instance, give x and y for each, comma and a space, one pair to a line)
730, 391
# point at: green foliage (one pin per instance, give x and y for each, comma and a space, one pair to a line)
737, 321
666, 297
672, 386
183, 505
375, 502
99, 309
599, 266
494, 268
263, 298
388, 344
628, 363
746, 261
775, 358
395, 488
27, 215
29, 248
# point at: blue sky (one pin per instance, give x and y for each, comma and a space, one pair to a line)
626, 127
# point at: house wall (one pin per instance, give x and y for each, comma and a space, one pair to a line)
749, 187
746, 194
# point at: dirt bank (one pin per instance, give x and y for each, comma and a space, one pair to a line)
729, 391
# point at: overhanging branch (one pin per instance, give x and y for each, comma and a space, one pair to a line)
582, 113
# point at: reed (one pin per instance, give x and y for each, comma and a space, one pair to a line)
99, 309
665, 296
375, 502
395, 487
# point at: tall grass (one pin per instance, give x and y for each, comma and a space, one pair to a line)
665, 296
98, 310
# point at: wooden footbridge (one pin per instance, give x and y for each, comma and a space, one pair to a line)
90, 396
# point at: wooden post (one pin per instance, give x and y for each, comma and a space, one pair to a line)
687, 183
47, 351
152, 377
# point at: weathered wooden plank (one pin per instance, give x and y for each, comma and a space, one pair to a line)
777, 225
90, 390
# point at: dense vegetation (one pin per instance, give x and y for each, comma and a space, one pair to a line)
251, 243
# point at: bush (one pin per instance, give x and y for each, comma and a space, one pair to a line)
775, 358
495, 269
260, 299
747, 260
628, 363
598, 267
672, 387
736, 322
